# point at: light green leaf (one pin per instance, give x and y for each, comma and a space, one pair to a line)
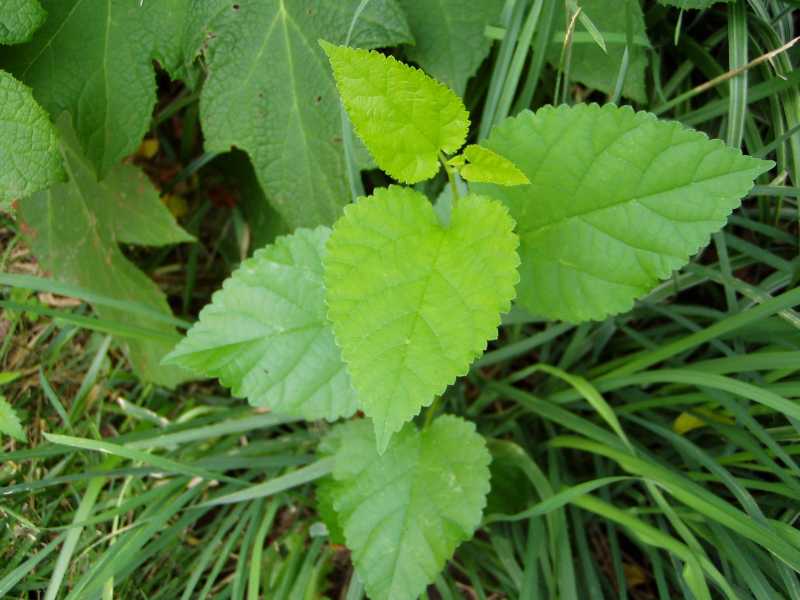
270, 93
74, 229
595, 68
449, 40
19, 19
405, 512
94, 60
487, 166
265, 334
696, 4
618, 200
413, 303
28, 143
404, 117
9, 421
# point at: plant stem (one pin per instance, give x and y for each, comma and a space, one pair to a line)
431, 412
450, 178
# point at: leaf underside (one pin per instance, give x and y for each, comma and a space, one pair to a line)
9, 421
404, 117
75, 229
270, 92
94, 60
449, 40
618, 200
405, 512
29, 152
265, 334
412, 303
19, 19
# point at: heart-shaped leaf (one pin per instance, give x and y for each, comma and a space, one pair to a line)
413, 303
405, 512
265, 334
618, 200
404, 117
262, 58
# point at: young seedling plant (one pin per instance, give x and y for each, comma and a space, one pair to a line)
572, 211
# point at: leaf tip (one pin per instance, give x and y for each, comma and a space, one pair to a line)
326, 46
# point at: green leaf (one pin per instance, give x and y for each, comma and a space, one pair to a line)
75, 229
94, 60
9, 421
696, 4
404, 117
325, 491
19, 19
263, 59
618, 200
487, 166
405, 512
28, 143
265, 334
413, 303
449, 40
599, 70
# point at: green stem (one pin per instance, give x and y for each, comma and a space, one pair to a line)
431, 412
450, 178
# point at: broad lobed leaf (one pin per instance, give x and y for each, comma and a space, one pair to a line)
618, 200
75, 228
449, 41
265, 334
270, 92
94, 60
29, 147
404, 512
405, 118
413, 303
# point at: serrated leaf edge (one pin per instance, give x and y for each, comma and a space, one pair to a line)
325, 45
645, 116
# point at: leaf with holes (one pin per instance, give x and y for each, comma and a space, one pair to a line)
617, 201
75, 229
405, 512
413, 303
19, 19
95, 61
405, 118
265, 334
449, 39
28, 144
9, 421
270, 92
